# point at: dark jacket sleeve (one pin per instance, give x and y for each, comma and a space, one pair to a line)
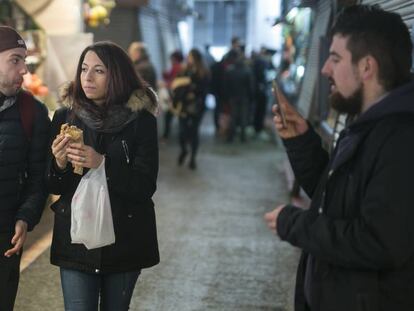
137, 182
34, 195
58, 181
307, 158
382, 235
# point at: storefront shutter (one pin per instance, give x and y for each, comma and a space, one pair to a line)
123, 28
322, 16
150, 33
403, 7
168, 32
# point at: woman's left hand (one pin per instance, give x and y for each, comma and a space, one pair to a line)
84, 155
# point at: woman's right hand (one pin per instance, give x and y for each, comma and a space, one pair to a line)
296, 125
59, 146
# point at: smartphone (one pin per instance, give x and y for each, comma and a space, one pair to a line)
276, 93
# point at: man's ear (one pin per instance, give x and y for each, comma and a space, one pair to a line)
368, 67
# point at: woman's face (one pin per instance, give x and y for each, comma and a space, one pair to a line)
93, 78
190, 59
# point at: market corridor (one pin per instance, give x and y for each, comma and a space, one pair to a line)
216, 252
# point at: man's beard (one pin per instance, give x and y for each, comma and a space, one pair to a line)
351, 105
9, 88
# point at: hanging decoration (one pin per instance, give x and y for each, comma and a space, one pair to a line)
96, 12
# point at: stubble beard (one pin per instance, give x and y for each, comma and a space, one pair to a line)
7, 87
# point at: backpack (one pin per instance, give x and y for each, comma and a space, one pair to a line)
26, 105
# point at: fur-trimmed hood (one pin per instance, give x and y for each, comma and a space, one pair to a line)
114, 117
139, 100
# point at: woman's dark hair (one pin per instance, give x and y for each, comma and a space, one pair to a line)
122, 78
199, 66
381, 34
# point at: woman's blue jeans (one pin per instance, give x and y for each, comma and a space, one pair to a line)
81, 291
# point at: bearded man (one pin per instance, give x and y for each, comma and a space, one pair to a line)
357, 237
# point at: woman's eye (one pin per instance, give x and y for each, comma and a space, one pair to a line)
84, 69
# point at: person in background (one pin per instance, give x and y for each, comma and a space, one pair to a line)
260, 65
238, 81
236, 46
218, 88
208, 58
142, 63
357, 236
189, 94
176, 59
115, 109
24, 133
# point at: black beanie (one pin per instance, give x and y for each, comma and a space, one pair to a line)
10, 39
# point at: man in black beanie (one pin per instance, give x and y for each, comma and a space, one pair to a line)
24, 131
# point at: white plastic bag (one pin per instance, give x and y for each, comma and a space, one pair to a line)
91, 211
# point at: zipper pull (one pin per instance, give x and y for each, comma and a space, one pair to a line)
126, 151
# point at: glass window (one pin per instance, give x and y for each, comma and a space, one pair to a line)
219, 21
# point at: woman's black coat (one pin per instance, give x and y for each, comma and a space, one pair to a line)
131, 164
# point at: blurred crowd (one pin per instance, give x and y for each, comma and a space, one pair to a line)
238, 86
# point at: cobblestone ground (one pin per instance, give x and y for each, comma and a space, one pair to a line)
216, 253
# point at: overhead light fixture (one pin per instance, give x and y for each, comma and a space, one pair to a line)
292, 14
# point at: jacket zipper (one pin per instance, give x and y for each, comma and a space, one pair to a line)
126, 151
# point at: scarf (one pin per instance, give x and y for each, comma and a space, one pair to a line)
112, 119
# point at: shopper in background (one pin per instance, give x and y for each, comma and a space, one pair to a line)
208, 58
238, 82
176, 59
189, 95
24, 132
260, 65
218, 88
114, 108
142, 63
357, 236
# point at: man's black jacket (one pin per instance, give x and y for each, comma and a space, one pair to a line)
22, 165
358, 235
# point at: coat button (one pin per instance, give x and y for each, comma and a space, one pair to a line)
129, 215
96, 270
330, 173
320, 211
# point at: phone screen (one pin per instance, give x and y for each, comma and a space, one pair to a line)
276, 93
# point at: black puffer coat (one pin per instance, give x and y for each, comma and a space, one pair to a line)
358, 235
131, 168
22, 165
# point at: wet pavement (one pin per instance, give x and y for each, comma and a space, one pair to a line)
216, 252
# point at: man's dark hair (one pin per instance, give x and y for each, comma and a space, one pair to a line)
122, 78
235, 40
177, 56
381, 34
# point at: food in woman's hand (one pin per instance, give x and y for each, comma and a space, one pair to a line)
76, 135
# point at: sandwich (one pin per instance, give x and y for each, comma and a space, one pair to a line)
76, 135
